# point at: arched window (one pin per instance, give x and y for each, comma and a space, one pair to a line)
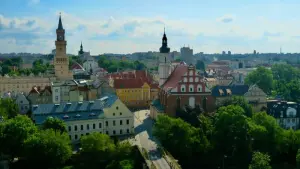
182, 88
192, 102
191, 79
191, 73
196, 79
185, 79
191, 88
199, 88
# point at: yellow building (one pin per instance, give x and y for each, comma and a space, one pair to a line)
136, 89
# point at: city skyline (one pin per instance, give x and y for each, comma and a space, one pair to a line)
134, 26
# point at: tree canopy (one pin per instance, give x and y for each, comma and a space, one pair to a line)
229, 138
55, 124
48, 148
263, 77
8, 108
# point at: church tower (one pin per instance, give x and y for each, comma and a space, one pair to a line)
164, 61
81, 50
61, 60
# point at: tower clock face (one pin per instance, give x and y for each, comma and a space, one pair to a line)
60, 37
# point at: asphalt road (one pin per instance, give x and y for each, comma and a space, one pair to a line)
143, 129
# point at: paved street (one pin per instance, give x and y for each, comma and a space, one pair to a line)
143, 129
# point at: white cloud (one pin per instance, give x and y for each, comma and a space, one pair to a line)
136, 34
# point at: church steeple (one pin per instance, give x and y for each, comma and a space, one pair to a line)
60, 26
164, 48
81, 49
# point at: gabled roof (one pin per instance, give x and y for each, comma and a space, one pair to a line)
175, 76
77, 66
236, 90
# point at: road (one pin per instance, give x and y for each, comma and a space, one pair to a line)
143, 129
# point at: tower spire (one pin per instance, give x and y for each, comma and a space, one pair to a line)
60, 26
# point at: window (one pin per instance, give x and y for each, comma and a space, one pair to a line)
94, 126
107, 132
192, 102
117, 108
56, 98
87, 133
56, 90
182, 88
114, 132
81, 127
69, 128
185, 79
121, 122
106, 123
121, 131
81, 135
87, 126
75, 128
191, 88
100, 125
114, 123
191, 72
191, 79
127, 130
196, 79
199, 88
76, 137
127, 121
120, 114
114, 114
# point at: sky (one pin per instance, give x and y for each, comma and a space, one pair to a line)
127, 26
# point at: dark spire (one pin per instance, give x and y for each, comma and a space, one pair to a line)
164, 48
60, 26
81, 50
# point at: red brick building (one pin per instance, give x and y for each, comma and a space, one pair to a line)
183, 87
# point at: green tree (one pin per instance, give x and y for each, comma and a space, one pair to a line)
8, 108
180, 139
239, 101
260, 161
298, 159
231, 126
14, 133
262, 77
48, 149
97, 150
55, 124
200, 65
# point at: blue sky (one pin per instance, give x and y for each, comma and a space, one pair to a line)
126, 26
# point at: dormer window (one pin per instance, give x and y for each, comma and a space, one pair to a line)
66, 117
92, 114
78, 116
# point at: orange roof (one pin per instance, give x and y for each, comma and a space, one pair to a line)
128, 83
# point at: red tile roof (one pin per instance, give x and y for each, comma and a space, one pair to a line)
128, 83
132, 79
76, 66
175, 76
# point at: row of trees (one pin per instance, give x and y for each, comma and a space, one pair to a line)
114, 65
281, 80
38, 66
49, 146
232, 138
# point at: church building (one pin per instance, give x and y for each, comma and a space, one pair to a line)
61, 60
